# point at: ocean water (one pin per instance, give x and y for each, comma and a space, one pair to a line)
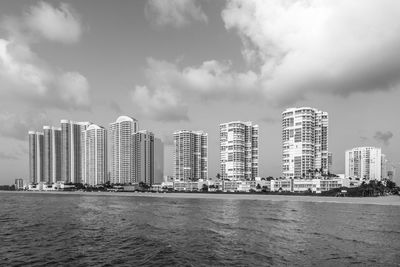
88, 230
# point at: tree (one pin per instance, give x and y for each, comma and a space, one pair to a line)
258, 186
204, 188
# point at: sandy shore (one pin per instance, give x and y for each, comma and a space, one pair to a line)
389, 200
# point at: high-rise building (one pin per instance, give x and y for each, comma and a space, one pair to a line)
364, 163
158, 161
143, 157
52, 154
94, 155
239, 150
35, 157
120, 133
190, 155
305, 143
71, 160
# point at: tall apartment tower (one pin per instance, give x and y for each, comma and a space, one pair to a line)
35, 157
239, 150
364, 163
51, 154
190, 155
158, 161
143, 157
120, 133
305, 143
71, 160
94, 155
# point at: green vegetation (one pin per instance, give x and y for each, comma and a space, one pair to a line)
371, 189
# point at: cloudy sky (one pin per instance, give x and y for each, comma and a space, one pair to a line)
185, 64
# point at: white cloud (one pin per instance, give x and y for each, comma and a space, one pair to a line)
24, 76
335, 46
17, 125
177, 13
295, 48
161, 105
74, 89
55, 24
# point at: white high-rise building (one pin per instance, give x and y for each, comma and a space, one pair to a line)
305, 143
190, 155
120, 133
52, 154
364, 163
239, 150
35, 157
71, 160
94, 155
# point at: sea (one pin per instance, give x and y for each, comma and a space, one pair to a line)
42, 229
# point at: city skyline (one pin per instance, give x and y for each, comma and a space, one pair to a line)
194, 65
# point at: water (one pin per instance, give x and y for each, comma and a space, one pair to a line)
83, 230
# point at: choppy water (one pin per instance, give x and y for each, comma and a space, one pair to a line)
81, 230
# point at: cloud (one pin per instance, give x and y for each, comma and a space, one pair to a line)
340, 47
55, 24
177, 13
16, 126
8, 156
115, 106
160, 105
293, 49
26, 77
383, 137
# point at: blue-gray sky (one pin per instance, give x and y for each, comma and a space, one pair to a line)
185, 64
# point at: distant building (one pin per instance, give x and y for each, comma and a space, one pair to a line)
143, 157
19, 184
94, 155
35, 157
71, 160
51, 154
120, 133
305, 143
239, 150
363, 163
190, 155
158, 161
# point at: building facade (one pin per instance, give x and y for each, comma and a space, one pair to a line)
305, 143
35, 157
94, 155
363, 163
143, 157
51, 154
190, 155
158, 161
239, 150
71, 160
120, 133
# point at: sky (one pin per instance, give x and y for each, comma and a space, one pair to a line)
187, 64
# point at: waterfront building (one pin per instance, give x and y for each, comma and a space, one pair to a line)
19, 184
143, 159
363, 163
190, 155
51, 154
158, 161
94, 155
71, 160
239, 150
35, 157
120, 133
305, 143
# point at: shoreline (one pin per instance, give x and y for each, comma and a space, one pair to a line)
386, 200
